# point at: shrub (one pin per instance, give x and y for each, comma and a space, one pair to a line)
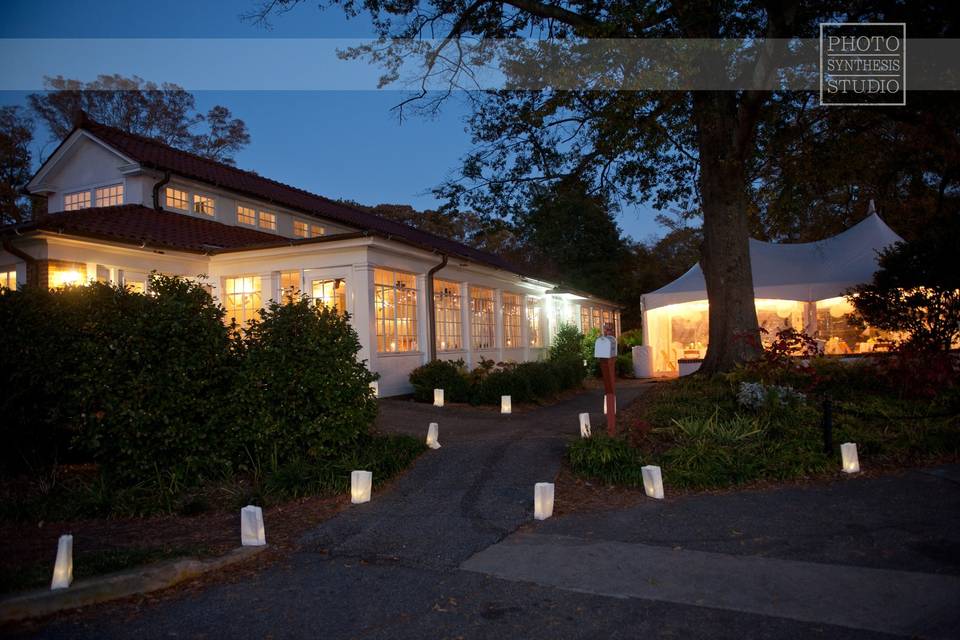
629, 339
125, 379
756, 396
610, 460
451, 376
625, 365
567, 342
587, 346
300, 391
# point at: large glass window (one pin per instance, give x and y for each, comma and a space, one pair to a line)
268, 220
303, 229
289, 286
203, 204
246, 215
76, 200
511, 320
111, 196
242, 298
595, 319
65, 274
534, 315
483, 328
331, 293
584, 319
395, 299
449, 322
176, 199
8, 278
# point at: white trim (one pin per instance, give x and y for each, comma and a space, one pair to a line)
35, 185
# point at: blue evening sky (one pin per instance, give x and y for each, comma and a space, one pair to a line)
339, 143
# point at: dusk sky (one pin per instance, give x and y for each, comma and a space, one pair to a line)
338, 143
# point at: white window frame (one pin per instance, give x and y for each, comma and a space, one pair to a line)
119, 196
86, 203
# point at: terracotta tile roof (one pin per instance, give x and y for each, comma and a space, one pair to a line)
136, 224
156, 155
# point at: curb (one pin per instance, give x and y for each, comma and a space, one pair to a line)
33, 604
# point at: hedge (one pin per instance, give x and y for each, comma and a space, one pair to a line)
156, 387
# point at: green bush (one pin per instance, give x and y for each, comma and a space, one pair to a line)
449, 375
625, 365
128, 380
300, 392
587, 344
567, 342
629, 339
610, 460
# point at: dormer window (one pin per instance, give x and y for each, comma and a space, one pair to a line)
303, 229
246, 215
268, 220
76, 200
111, 196
203, 205
176, 199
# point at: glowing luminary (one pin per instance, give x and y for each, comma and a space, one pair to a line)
375, 387
605, 404
584, 425
438, 397
505, 404
63, 568
433, 436
252, 533
652, 481
851, 463
542, 500
361, 484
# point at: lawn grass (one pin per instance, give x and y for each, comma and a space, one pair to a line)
702, 438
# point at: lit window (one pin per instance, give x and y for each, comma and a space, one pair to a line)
268, 220
8, 278
301, 229
607, 317
241, 298
290, 286
66, 274
76, 200
111, 196
176, 199
534, 313
483, 329
584, 319
511, 320
246, 215
203, 205
595, 319
449, 323
316, 231
395, 300
332, 294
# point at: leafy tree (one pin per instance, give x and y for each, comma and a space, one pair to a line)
165, 112
16, 134
916, 290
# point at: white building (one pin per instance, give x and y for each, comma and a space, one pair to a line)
121, 206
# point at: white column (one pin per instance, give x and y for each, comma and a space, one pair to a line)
363, 315
467, 320
498, 322
423, 317
524, 329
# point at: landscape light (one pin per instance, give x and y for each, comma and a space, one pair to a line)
251, 527
63, 568
542, 500
433, 436
652, 481
851, 463
584, 425
375, 387
438, 397
361, 483
505, 405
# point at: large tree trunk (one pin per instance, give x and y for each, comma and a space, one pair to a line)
725, 252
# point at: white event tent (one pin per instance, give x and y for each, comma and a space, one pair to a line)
795, 285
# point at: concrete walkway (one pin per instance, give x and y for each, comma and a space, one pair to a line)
439, 555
